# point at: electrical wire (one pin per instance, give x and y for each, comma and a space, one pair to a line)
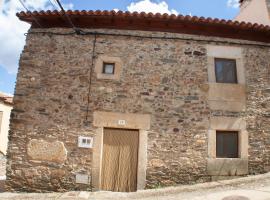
147, 37
78, 31
81, 32
50, 33
55, 2
55, 7
89, 91
32, 16
90, 76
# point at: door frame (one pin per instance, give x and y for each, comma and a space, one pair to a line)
140, 122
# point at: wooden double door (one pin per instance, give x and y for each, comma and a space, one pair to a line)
119, 160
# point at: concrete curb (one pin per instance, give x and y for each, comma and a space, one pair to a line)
191, 188
154, 193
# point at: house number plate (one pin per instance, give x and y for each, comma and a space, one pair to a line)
121, 122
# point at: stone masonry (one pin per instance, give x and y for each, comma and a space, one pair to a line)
165, 78
268, 6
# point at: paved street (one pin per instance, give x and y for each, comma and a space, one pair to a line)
250, 188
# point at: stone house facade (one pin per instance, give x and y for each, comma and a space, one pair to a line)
133, 101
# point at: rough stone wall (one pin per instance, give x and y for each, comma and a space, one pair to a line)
258, 108
164, 78
50, 97
3, 161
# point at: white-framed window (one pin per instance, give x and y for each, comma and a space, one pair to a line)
225, 70
108, 67
225, 64
227, 138
227, 147
227, 144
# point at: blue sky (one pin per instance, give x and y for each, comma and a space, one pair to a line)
12, 38
7, 81
207, 8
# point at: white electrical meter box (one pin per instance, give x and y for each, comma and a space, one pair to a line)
85, 142
82, 179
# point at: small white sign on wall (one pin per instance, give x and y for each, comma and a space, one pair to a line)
82, 179
121, 122
85, 142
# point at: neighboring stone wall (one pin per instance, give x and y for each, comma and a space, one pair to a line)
3, 161
268, 6
164, 78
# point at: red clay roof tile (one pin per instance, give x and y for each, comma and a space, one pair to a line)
6, 99
150, 22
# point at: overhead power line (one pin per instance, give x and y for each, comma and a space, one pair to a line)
32, 16
68, 19
56, 3
150, 37
55, 7
78, 31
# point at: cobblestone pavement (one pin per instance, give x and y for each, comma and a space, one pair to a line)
249, 188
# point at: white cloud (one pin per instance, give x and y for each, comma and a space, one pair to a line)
233, 3
149, 6
12, 37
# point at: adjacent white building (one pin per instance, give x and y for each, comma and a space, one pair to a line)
6, 104
5, 109
254, 11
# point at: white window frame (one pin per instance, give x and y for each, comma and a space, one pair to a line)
227, 52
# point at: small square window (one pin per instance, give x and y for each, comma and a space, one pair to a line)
225, 70
108, 68
227, 144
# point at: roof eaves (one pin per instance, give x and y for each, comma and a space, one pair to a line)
50, 18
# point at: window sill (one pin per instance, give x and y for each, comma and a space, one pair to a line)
227, 96
108, 76
227, 166
227, 83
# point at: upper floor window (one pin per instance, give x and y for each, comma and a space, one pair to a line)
225, 70
108, 68
227, 144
